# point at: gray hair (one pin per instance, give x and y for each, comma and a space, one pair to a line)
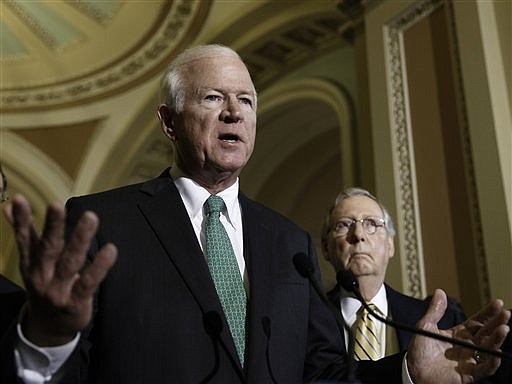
351, 192
172, 88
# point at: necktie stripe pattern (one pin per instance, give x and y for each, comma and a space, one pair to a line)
367, 344
225, 273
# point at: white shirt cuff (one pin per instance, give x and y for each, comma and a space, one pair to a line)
406, 377
38, 364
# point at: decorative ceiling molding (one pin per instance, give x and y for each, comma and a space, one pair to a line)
178, 25
294, 44
276, 39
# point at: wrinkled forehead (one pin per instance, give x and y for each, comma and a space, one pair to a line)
357, 207
213, 71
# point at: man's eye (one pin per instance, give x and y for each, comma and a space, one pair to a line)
213, 98
245, 100
343, 224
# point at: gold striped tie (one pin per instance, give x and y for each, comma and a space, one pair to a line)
367, 344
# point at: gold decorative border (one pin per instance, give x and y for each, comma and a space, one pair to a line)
402, 147
402, 142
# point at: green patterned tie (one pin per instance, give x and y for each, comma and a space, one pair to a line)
225, 273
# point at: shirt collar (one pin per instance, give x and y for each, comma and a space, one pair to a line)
350, 304
194, 195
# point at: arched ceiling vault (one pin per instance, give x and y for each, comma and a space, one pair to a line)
57, 53
79, 84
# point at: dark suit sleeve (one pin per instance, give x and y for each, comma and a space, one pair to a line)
7, 362
326, 358
456, 312
12, 298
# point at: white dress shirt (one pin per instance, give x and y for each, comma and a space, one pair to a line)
350, 305
194, 196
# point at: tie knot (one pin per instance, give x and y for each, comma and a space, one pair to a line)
214, 204
364, 311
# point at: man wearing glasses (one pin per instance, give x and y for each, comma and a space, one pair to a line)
358, 235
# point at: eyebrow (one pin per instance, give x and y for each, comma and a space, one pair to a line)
370, 216
201, 90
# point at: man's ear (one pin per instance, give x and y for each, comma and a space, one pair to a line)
325, 250
391, 246
166, 121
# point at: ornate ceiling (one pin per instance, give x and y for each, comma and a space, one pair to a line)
65, 51
79, 87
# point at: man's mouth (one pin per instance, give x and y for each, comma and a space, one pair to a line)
229, 137
358, 254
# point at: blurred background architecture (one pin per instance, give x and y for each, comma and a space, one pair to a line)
409, 99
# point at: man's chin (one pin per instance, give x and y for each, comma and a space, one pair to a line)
230, 164
360, 269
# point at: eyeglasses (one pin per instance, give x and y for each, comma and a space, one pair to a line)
370, 225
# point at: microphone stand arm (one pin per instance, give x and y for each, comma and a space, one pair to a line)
422, 332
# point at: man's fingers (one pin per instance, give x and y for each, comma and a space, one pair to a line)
491, 335
487, 312
94, 274
492, 325
484, 322
51, 243
488, 365
73, 256
435, 310
19, 214
497, 338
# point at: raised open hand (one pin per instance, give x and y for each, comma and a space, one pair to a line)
60, 286
431, 361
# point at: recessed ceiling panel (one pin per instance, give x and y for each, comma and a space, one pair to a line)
62, 51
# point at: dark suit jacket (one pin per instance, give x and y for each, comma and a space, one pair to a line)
157, 311
408, 310
12, 297
504, 373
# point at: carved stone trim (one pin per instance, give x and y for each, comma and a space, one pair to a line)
403, 151
402, 144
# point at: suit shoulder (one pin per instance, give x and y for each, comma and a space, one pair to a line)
267, 214
108, 194
121, 194
395, 296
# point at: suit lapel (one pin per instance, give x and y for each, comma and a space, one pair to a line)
261, 268
167, 216
403, 310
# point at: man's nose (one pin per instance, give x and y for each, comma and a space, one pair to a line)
356, 233
232, 112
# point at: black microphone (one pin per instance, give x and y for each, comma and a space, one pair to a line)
348, 281
305, 269
265, 324
213, 326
